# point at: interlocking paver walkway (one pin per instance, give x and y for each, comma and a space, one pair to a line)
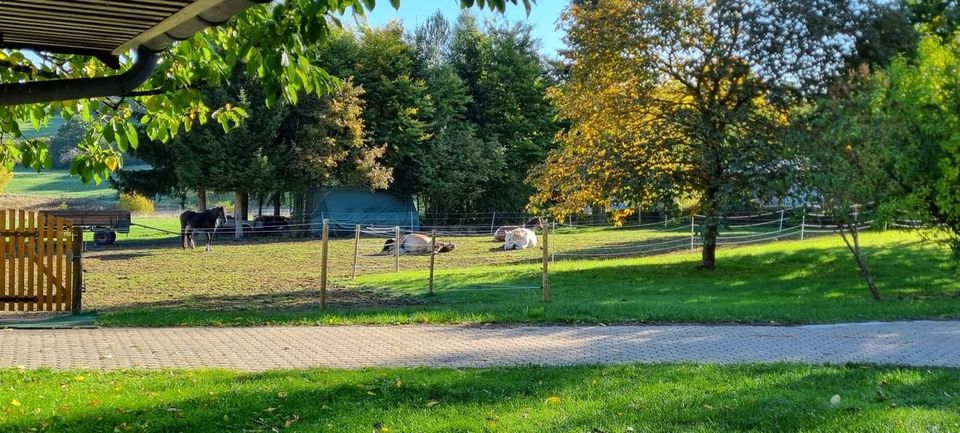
906, 343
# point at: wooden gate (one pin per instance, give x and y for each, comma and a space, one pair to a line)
41, 262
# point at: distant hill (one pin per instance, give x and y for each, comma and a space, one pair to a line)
46, 131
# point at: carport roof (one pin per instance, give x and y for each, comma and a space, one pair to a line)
108, 28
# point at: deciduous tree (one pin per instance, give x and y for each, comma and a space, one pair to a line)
673, 98
321, 143
844, 158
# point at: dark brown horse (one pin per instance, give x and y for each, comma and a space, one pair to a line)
205, 222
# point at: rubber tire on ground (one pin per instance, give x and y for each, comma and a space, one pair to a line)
104, 237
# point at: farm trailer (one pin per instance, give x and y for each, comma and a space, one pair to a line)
105, 224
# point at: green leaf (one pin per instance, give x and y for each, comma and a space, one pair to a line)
132, 136
108, 134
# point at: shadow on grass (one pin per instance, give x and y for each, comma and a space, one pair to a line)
634, 248
305, 302
121, 256
781, 398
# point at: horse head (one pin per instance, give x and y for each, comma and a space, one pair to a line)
535, 222
445, 247
221, 216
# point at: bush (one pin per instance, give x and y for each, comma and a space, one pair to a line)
5, 178
136, 203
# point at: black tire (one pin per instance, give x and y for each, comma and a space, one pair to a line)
104, 237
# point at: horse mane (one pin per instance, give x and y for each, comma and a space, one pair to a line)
535, 222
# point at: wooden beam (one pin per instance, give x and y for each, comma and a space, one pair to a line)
183, 15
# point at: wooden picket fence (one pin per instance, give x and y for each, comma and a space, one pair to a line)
41, 262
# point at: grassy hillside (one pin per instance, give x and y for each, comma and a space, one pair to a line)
58, 184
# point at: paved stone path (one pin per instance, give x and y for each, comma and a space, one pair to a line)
907, 343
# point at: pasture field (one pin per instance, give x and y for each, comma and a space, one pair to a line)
154, 283
631, 398
57, 184
51, 188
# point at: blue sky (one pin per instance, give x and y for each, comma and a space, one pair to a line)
543, 17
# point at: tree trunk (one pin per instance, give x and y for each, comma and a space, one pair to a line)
297, 214
854, 248
307, 210
713, 181
243, 203
711, 228
237, 217
202, 199
277, 200
708, 258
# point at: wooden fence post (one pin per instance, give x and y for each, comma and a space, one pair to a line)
433, 256
77, 247
803, 224
323, 264
781, 220
493, 222
545, 287
396, 250
356, 250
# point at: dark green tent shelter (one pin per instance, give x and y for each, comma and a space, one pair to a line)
348, 207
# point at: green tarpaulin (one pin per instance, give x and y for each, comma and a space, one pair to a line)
348, 207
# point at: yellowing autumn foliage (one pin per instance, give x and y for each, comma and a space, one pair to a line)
669, 100
5, 178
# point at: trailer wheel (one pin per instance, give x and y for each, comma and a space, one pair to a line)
104, 237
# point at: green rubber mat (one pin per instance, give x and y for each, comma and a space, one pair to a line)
82, 320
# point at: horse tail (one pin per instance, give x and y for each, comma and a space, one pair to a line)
183, 230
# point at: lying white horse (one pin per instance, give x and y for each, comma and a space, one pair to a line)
416, 244
520, 239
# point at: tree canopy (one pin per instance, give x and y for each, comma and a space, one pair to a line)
684, 98
278, 43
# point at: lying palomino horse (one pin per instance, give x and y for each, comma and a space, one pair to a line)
501, 234
520, 239
206, 222
417, 244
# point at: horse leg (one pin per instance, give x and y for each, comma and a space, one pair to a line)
209, 241
190, 238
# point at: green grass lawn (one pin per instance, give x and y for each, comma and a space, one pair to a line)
275, 282
637, 398
57, 184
